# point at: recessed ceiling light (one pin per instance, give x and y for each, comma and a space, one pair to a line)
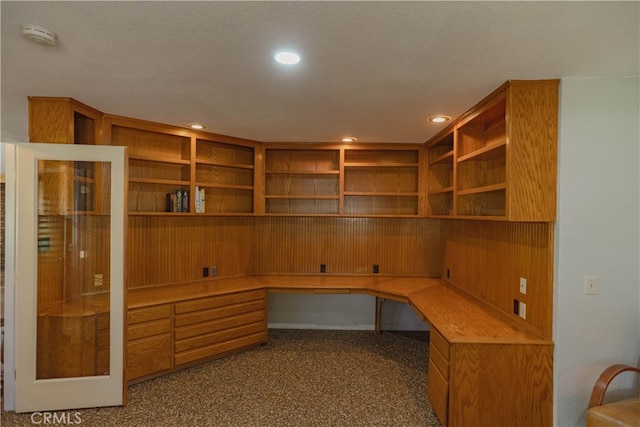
287, 57
349, 139
197, 126
439, 119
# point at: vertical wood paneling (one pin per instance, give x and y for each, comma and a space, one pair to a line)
487, 259
172, 249
299, 245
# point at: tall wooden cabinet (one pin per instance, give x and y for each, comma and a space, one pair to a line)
498, 161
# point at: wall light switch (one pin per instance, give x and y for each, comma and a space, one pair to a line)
523, 286
590, 285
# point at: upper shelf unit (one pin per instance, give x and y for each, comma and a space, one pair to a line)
337, 180
77, 184
177, 171
498, 161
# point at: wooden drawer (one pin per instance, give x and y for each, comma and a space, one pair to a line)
148, 356
220, 348
220, 301
102, 362
219, 336
148, 329
438, 341
219, 312
219, 324
147, 314
438, 393
438, 360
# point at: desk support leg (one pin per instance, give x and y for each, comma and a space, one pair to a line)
379, 302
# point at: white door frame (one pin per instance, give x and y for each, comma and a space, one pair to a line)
23, 393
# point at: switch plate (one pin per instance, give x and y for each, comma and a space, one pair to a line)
523, 286
214, 270
590, 285
523, 310
97, 280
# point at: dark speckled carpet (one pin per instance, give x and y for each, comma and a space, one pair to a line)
300, 378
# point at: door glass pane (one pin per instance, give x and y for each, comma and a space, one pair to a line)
73, 269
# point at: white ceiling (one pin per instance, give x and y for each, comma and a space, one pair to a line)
375, 70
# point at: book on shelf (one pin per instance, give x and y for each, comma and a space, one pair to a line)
177, 201
200, 200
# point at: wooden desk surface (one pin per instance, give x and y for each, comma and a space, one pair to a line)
458, 317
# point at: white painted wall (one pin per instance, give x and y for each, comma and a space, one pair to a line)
597, 233
308, 311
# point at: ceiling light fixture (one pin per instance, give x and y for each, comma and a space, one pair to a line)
439, 119
197, 126
287, 57
39, 34
349, 139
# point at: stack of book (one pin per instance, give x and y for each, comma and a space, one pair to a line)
178, 201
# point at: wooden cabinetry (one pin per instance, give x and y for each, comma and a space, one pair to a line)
173, 170
349, 181
208, 327
438, 378
74, 184
498, 161
149, 341
302, 181
381, 182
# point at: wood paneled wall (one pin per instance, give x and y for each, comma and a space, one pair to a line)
174, 249
298, 245
487, 260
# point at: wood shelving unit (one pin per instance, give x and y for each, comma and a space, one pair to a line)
331, 180
498, 161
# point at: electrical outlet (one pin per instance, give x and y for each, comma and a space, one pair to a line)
323, 268
523, 310
523, 286
205, 272
214, 270
97, 280
590, 285
516, 306
376, 269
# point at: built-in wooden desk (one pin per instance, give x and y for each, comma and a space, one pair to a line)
486, 368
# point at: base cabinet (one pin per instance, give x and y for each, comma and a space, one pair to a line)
473, 384
148, 341
171, 336
211, 326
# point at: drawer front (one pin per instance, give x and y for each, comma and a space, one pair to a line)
437, 340
439, 361
148, 329
102, 362
220, 301
102, 340
219, 336
148, 356
220, 348
438, 393
219, 312
103, 322
220, 324
147, 314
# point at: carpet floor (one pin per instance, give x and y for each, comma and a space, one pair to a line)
300, 378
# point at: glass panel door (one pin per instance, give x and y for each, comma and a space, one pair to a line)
66, 316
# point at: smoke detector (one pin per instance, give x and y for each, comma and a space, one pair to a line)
39, 34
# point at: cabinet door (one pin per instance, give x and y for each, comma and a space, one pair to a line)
56, 317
